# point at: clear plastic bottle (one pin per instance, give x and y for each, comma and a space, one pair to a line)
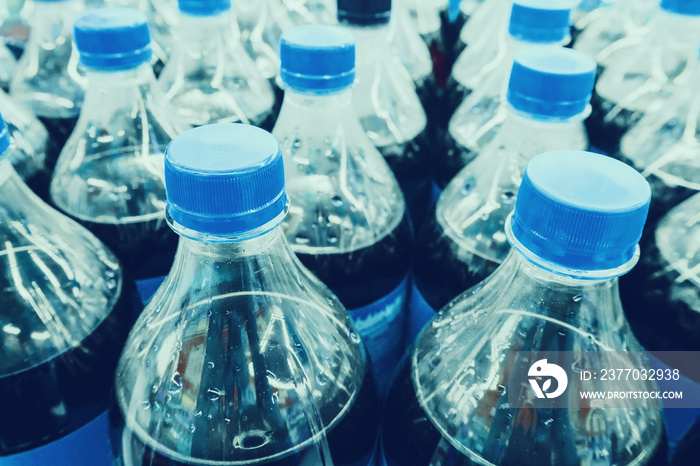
425, 16
348, 222
463, 396
386, 102
479, 79
65, 310
30, 139
242, 356
485, 24
210, 78
644, 69
601, 26
463, 242
109, 176
413, 51
46, 80
7, 65
664, 145
667, 283
262, 23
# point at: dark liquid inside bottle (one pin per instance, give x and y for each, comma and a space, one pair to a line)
351, 440
452, 158
411, 163
39, 183
146, 249
59, 130
687, 451
606, 134
443, 269
450, 33
454, 95
46, 402
365, 275
660, 322
410, 439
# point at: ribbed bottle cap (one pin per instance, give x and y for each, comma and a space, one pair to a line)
317, 58
364, 12
204, 7
682, 7
580, 210
540, 21
551, 82
112, 38
4, 136
224, 179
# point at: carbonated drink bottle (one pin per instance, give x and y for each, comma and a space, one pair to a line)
65, 310
210, 78
348, 222
386, 102
463, 242
466, 393
109, 176
242, 356
46, 80
647, 69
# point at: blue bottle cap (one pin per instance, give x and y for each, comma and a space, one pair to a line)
224, 179
540, 21
580, 210
203, 7
112, 38
317, 58
551, 82
4, 136
364, 12
682, 7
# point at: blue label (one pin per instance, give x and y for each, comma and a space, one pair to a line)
88, 445
677, 420
419, 314
147, 288
381, 326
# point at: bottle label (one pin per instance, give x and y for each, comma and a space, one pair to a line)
87, 445
381, 326
147, 288
419, 314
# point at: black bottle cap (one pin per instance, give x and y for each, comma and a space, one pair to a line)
364, 12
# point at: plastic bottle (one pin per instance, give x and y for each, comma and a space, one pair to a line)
7, 65
242, 356
485, 24
210, 78
464, 397
425, 15
386, 102
667, 283
479, 78
414, 52
600, 24
348, 222
46, 80
30, 140
65, 310
109, 176
643, 70
463, 242
664, 145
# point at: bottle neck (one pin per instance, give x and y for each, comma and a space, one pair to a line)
327, 107
100, 79
52, 23
203, 35
371, 43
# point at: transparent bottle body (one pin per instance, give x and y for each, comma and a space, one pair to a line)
610, 22
30, 141
391, 113
262, 23
348, 221
412, 50
646, 70
667, 282
7, 64
664, 145
46, 79
225, 365
66, 312
461, 405
211, 79
464, 240
110, 174
489, 18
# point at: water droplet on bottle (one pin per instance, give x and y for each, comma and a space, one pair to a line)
322, 378
354, 337
175, 384
146, 404
192, 429
210, 417
214, 394
337, 201
210, 364
198, 414
548, 421
501, 389
578, 298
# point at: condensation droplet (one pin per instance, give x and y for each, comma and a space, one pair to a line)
214, 394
